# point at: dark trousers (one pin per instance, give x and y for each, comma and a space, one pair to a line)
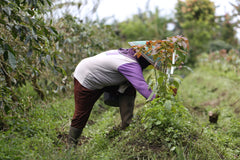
85, 99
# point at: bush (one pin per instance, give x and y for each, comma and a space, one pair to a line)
218, 45
166, 122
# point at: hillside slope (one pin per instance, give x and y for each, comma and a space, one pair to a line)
178, 129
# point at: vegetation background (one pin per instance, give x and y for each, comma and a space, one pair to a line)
39, 52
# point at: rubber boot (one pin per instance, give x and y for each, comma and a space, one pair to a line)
74, 134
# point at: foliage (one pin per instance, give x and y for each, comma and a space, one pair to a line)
218, 45
60, 8
197, 22
41, 132
35, 134
81, 40
162, 129
167, 119
227, 62
32, 49
169, 53
144, 26
26, 48
226, 29
208, 89
236, 13
189, 10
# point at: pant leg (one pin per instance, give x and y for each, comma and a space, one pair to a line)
126, 104
84, 101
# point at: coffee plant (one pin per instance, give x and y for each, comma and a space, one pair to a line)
166, 54
164, 120
33, 46
27, 48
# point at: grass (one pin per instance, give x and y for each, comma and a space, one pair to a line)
41, 131
208, 90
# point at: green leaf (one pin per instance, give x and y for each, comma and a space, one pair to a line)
49, 2
7, 10
2, 21
168, 105
5, 55
42, 1
176, 82
60, 70
55, 61
64, 72
3, 1
158, 122
154, 91
28, 38
17, 2
8, 48
150, 67
12, 60
31, 12
14, 31
160, 80
45, 31
53, 30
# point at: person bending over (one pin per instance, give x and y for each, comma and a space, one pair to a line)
117, 72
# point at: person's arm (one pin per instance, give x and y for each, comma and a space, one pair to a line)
133, 73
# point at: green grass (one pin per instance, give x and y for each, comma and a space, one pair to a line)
208, 90
41, 131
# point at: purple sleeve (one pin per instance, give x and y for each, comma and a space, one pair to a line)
133, 73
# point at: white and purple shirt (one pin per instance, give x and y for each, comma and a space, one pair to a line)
112, 68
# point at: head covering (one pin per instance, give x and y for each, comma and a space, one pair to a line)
156, 63
129, 52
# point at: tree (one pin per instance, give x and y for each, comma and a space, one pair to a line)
83, 8
236, 11
26, 48
226, 30
236, 14
197, 22
145, 26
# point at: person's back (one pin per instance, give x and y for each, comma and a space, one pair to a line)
101, 70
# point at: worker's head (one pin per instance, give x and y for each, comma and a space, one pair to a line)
143, 62
145, 59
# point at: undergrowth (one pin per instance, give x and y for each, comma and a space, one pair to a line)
172, 128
